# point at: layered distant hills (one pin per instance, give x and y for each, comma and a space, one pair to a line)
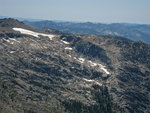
136, 32
48, 71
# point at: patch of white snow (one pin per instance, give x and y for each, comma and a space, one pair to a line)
12, 51
105, 70
68, 48
92, 63
100, 65
11, 42
65, 42
75, 58
64, 38
81, 60
6, 40
14, 40
89, 80
32, 33
69, 56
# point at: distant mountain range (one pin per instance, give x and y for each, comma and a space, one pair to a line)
134, 32
21, 19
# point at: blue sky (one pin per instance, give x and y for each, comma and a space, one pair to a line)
107, 11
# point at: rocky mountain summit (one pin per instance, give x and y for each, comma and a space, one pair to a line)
54, 72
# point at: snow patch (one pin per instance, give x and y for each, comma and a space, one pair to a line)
6, 40
12, 52
88, 80
14, 40
69, 56
32, 33
100, 65
93, 81
75, 58
64, 38
81, 60
92, 63
65, 42
68, 48
11, 42
105, 70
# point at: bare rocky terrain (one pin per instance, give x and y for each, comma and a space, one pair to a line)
54, 72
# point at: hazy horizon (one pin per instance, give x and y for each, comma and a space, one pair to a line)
97, 11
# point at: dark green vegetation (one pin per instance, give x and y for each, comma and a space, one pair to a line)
131, 31
103, 100
97, 74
